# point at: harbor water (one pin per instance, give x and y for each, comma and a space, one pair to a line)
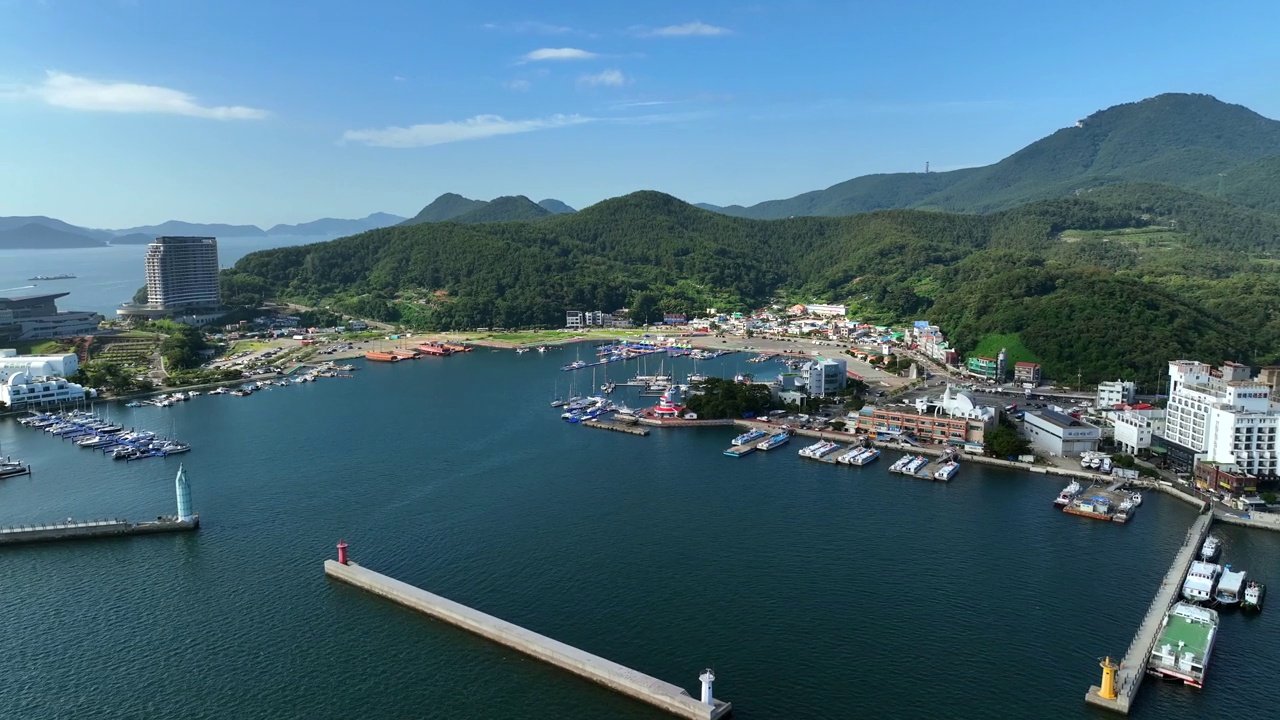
814, 591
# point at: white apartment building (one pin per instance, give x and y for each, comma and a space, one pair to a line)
182, 272
1116, 392
31, 380
1222, 417
1135, 428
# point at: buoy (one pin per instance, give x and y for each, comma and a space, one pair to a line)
1108, 689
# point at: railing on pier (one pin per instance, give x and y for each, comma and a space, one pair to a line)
61, 526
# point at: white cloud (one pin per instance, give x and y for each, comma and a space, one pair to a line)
518, 85
558, 54
689, 29
611, 78
77, 93
398, 78
480, 126
529, 26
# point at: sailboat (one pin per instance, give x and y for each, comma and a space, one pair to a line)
556, 400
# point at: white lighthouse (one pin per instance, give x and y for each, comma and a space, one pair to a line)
707, 677
184, 496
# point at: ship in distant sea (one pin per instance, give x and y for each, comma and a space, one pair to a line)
53, 277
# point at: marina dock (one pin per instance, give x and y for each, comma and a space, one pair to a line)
615, 426
93, 529
1133, 668
632, 683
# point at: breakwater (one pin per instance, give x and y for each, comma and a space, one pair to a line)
1133, 668
617, 677
88, 529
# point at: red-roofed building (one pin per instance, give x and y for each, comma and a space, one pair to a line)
1025, 372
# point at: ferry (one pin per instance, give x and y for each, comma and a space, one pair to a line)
1253, 595
946, 472
1212, 546
917, 463
818, 449
53, 277
1201, 580
1230, 588
849, 455
865, 457
774, 440
1068, 494
747, 437
1185, 642
900, 464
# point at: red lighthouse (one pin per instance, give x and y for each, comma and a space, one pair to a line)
342, 551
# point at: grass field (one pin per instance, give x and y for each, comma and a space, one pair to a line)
1148, 238
36, 347
991, 345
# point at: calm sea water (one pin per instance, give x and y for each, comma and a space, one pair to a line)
107, 276
814, 591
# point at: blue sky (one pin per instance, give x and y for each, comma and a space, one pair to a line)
125, 112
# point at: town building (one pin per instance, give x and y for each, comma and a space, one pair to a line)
574, 319
826, 376
182, 281
35, 317
1220, 416
1027, 373
1116, 392
1136, 427
827, 310
1270, 376
675, 319
987, 368
34, 380
898, 420
1058, 434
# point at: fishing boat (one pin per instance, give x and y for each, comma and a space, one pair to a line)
1253, 595
1230, 588
1068, 494
1212, 546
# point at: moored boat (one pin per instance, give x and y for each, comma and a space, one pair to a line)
947, 471
774, 440
1183, 648
1253, 595
1201, 580
1212, 546
1068, 494
1230, 587
746, 437
866, 456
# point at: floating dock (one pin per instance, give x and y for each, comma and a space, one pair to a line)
615, 426
653, 691
14, 470
1127, 677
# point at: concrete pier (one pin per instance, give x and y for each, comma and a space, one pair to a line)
615, 426
93, 529
629, 682
1133, 668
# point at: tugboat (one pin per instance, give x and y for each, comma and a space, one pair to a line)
1253, 595
1209, 551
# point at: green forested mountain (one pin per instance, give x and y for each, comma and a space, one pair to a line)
1255, 185
35, 236
504, 209
1175, 139
445, 207
555, 207
1112, 282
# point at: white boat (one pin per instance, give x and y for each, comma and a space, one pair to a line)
1253, 595
901, 463
847, 457
867, 456
1068, 494
1212, 546
1106, 465
946, 472
1201, 581
1136, 497
774, 440
1230, 587
1185, 643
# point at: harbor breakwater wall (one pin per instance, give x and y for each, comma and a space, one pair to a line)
658, 693
55, 532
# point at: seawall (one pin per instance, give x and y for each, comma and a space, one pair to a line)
90, 529
629, 682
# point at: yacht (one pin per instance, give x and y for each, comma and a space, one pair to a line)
171, 447
521, 351
1068, 494
1230, 587
1212, 546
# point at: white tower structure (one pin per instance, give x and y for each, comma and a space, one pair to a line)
707, 677
184, 496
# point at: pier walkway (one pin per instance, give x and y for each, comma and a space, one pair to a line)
1133, 668
615, 426
93, 529
653, 691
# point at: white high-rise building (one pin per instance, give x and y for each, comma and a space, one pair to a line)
182, 273
1221, 417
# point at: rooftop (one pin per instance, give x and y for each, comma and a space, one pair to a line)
1057, 418
24, 300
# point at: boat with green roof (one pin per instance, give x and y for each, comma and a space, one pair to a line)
1186, 640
